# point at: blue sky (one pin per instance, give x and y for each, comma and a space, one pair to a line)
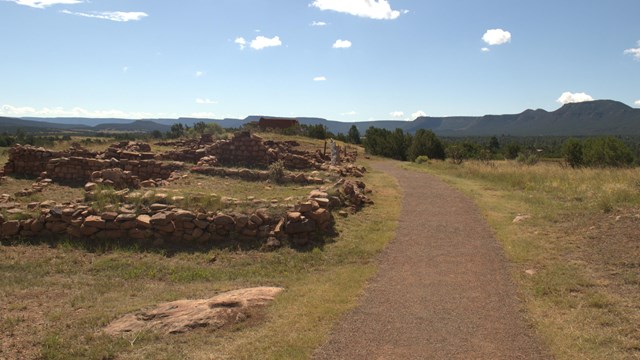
346, 60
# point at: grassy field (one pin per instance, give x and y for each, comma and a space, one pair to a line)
575, 254
55, 299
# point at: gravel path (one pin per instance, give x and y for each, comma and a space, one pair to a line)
442, 291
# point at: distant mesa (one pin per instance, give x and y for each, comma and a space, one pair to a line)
593, 118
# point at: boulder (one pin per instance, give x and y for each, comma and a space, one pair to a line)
10, 228
304, 226
186, 315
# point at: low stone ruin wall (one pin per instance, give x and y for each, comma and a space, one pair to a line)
77, 169
28, 160
255, 175
244, 149
164, 224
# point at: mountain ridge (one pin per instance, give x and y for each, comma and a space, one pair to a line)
599, 117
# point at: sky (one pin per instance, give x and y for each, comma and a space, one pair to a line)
345, 60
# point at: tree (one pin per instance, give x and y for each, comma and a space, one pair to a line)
156, 134
200, 127
318, 131
354, 135
456, 153
511, 151
573, 153
494, 145
177, 130
607, 151
386, 143
425, 142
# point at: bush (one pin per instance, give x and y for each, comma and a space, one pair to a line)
276, 172
511, 151
606, 152
456, 153
529, 158
421, 159
573, 153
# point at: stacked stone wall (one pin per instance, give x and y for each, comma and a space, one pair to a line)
244, 149
168, 225
28, 160
77, 169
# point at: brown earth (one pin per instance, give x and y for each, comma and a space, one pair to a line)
443, 289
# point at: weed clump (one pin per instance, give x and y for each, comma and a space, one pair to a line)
276, 172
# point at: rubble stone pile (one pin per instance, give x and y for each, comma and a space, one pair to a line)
128, 150
254, 175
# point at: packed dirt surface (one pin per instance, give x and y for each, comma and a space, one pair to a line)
443, 289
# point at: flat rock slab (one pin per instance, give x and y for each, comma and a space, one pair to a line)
443, 289
184, 315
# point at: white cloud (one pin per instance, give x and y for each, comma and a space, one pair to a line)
342, 44
397, 114
241, 41
372, 9
119, 16
635, 52
637, 102
262, 42
418, 114
41, 4
205, 101
125, 69
319, 23
496, 37
199, 73
569, 98
319, 78
485, 49
349, 113
9, 110
203, 115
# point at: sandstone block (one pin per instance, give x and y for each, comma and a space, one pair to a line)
144, 221
95, 221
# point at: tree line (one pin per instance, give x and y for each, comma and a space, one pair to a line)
606, 151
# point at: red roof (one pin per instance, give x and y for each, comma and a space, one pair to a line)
277, 123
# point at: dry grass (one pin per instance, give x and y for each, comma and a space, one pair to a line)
580, 243
55, 300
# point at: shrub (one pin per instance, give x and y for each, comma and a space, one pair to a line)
529, 158
422, 159
456, 153
276, 171
573, 153
606, 152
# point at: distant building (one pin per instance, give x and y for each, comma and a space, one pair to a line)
277, 123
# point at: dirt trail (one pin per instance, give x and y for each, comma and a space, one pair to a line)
442, 291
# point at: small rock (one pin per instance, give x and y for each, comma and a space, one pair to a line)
521, 218
90, 186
